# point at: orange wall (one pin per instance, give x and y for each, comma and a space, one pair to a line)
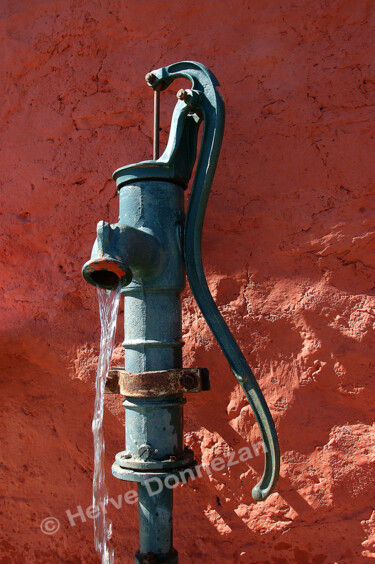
288, 247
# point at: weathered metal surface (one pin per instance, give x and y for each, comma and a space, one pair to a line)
156, 124
182, 460
177, 162
154, 425
152, 309
155, 516
207, 103
177, 474
157, 384
143, 252
119, 253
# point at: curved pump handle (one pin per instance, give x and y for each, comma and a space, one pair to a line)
209, 105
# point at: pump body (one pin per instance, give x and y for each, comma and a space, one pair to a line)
154, 426
145, 252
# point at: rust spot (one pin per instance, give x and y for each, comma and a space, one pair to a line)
109, 264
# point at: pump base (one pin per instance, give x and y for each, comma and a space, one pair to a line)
181, 474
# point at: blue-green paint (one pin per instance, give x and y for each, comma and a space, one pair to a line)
144, 251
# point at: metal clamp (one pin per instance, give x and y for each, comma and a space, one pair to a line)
157, 384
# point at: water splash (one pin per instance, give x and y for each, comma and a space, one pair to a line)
108, 309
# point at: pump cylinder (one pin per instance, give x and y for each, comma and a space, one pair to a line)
152, 302
152, 319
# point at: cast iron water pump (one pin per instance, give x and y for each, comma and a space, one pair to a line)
145, 252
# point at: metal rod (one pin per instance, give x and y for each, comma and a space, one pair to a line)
156, 124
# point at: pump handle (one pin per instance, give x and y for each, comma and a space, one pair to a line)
209, 105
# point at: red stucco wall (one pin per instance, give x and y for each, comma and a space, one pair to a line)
289, 252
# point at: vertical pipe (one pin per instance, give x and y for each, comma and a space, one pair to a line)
155, 521
156, 123
153, 342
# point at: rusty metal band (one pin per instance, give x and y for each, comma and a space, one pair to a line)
157, 384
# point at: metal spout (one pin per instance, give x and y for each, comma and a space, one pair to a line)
119, 253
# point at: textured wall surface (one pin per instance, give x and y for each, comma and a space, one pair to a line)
289, 250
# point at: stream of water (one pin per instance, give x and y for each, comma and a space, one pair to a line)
108, 309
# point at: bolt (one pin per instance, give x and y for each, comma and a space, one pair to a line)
121, 458
150, 78
144, 452
188, 381
182, 94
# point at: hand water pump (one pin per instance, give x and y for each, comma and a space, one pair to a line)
146, 252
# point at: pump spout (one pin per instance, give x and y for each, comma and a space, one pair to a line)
119, 252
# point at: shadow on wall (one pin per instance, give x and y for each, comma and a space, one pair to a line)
47, 455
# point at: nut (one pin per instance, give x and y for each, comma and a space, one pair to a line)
150, 78
188, 381
182, 94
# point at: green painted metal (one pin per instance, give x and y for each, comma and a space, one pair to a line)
121, 252
144, 253
177, 161
210, 106
155, 518
152, 319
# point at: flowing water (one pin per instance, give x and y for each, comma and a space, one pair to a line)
108, 309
